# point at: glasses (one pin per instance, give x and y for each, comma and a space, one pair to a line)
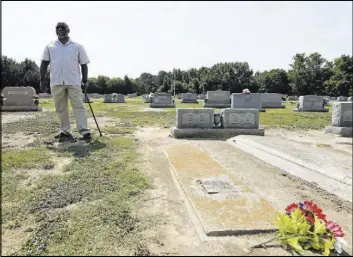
61, 27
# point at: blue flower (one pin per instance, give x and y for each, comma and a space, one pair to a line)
301, 205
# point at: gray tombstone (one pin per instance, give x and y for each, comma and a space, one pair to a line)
202, 96
247, 101
44, 95
147, 98
189, 98
85, 100
240, 118
342, 98
194, 118
341, 119
311, 103
20, 99
292, 98
162, 100
119, 98
108, 99
217, 99
272, 100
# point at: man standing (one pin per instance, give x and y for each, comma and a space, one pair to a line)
65, 57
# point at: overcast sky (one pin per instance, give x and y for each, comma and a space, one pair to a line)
134, 37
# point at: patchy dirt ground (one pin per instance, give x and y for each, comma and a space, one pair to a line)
271, 183
181, 234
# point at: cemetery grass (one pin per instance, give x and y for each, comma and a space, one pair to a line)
80, 199
134, 112
84, 207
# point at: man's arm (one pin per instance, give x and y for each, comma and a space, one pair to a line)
43, 69
84, 70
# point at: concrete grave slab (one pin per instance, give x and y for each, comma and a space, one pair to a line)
223, 204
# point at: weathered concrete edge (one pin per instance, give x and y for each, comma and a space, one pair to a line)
342, 131
326, 183
212, 132
195, 214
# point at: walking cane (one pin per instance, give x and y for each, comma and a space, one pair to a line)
100, 134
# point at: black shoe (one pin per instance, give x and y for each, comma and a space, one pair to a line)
87, 137
65, 137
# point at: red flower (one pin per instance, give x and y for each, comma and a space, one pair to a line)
292, 207
313, 208
335, 229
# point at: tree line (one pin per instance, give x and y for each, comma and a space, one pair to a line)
308, 74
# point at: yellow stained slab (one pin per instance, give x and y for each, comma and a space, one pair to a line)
219, 213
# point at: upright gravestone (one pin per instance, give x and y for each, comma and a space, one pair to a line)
342, 98
240, 118
311, 103
162, 100
120, 98
44, 95
114, 98
247, 101
217, 99
146, 98
341, 119
108, 99
202, 96
189, 98
292, 98
272, 100
20, 99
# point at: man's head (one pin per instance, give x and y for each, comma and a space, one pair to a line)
62, 30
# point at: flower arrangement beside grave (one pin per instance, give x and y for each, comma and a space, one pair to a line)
304, 226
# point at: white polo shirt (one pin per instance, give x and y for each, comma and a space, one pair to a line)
65, 61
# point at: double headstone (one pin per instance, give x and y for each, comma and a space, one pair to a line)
203, 122
341, 119
311, 103
247, 101
272, 100
162, 100
217, 99
189, 98
20, 99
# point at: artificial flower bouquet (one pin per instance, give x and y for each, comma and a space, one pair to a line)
304, 226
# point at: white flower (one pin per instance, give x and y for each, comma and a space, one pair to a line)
340, 244
246, 91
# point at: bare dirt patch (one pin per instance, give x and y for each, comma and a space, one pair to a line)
179, 235
9, 117
19, 139
34, 174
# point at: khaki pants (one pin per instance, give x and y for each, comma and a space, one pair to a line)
61, 95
